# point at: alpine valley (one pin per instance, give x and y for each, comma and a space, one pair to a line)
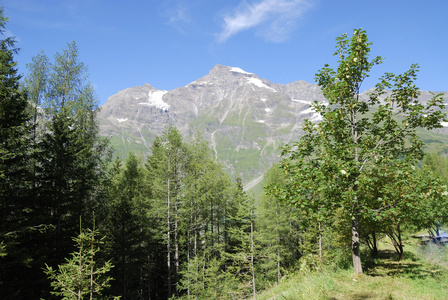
245, 119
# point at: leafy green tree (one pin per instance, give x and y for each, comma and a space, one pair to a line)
81, 276
432, 211
437, 165
409, 191
328, 167
36, 85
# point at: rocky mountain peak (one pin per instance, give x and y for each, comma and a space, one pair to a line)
245, 118
220, 70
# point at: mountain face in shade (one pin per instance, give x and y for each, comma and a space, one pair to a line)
245, 119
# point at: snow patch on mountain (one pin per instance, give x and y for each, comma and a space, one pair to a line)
238, 70
259, 83
315, 116
155, 99
302, 101
267, 109
199, 84
307, 111
121, 120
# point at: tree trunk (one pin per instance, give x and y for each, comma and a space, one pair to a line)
279, 274
252, 254
395, 236
176, 249
92, 262
168, 243
320, 241
375, 244
355, 222
400, 242
355, 246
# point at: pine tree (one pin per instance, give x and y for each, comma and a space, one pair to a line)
72, 153
81, 276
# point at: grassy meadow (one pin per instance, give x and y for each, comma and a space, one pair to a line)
422, 274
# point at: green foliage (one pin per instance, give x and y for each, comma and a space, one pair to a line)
278, 229
14, 129
176, 225
129, 225
438, 164
52, 168
240, 245
81, 276
17, 224
336, 158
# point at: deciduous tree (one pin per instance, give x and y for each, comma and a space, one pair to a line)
335, 157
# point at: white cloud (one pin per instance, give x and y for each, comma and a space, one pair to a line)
276, 17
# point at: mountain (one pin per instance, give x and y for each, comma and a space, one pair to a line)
246, 119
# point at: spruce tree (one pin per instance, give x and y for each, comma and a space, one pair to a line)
81, 276
17, 227
129, 230
68, 156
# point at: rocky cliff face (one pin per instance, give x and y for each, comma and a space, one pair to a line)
246, 119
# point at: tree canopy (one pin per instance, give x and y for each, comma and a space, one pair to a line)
335, 162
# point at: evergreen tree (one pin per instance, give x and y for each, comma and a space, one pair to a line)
129, 226
72, 153
81, 276
165, 174
242, 242
17, 226
206, 191
278, 230
68, 158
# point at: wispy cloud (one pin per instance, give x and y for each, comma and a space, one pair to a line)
179, 14
274, 18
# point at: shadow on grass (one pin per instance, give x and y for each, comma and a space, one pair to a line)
358, 296
386, 263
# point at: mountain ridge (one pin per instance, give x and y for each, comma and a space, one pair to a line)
245, 118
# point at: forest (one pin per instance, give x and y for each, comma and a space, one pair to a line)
78, 222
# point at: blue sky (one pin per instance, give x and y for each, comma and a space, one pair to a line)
171, 43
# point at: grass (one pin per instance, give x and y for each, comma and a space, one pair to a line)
423, 274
